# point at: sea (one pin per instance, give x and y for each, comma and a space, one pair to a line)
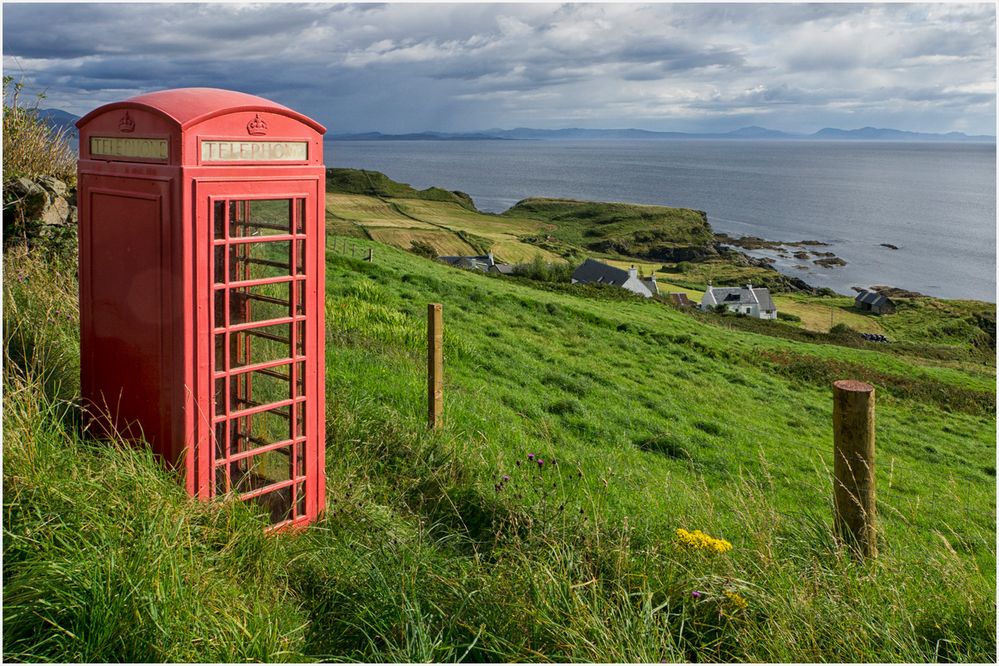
935, 202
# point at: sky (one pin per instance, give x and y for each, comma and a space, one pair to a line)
404, 67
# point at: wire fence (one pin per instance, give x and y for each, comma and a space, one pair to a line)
350, 247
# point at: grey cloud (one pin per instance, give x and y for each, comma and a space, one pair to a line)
398, 67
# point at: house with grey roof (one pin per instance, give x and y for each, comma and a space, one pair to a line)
595, 272
872, 301
749, 300
485, 263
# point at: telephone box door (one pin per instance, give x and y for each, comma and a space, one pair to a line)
259, 326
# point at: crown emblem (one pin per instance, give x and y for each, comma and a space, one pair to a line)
256, 126
126, 124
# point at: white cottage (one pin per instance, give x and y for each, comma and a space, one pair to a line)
749, 300
595, 272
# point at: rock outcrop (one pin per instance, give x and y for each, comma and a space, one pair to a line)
40, 210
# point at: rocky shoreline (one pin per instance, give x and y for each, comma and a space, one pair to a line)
798, 250
785, 249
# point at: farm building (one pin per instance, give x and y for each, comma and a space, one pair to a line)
595, 272
485, 263
871, 301
748, 300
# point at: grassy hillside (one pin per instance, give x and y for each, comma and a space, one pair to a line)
377, 184
369, 204
459, 545
649, 232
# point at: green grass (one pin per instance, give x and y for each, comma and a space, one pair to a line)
377, 184
627, 229
648, 419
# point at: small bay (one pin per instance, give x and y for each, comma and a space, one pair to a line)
935, 202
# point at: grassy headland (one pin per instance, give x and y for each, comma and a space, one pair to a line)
459, 544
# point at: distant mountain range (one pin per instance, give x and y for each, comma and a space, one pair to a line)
62, 120
58, 119
745, 133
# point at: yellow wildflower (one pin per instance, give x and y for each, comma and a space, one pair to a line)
700, 540
737, 599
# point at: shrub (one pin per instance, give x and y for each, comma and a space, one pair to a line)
423, 249
542, 271
841, 329
30, 146
787, 316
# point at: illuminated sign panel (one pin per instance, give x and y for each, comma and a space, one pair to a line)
254, 151
129, 147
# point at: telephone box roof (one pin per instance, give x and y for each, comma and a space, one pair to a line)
188, 106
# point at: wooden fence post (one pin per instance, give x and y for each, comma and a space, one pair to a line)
853, 467
435, 365
371, 254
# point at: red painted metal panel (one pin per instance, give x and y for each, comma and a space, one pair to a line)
156, 216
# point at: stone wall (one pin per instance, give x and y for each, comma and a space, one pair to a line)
39, 211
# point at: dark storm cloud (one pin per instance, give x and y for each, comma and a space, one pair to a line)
408, 67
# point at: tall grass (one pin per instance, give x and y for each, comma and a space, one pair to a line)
30, 146
457, 545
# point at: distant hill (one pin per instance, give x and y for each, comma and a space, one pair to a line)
879, 134
418, 136
60, 120
745, 133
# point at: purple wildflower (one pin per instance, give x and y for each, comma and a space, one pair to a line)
541, 463
696, 594
530, 456
506, 477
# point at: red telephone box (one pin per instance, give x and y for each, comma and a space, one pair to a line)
202, 218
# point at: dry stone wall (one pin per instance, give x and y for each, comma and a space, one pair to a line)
39, 211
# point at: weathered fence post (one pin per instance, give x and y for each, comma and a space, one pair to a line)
853, 467
371, 254
435, 365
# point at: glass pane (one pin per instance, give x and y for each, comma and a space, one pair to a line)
300, 254
260, 303
220, 488
219, 308
256, 261
300, 338
220, 264
220, 352
262, 470
300, 421
269, 217
300, 372
300, 459
257, 430
300, 492
259, 345
276, 503
300, 305
220, 442
261, 387
299, 216
219, 396
219, 220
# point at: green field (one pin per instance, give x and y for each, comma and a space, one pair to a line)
649, 420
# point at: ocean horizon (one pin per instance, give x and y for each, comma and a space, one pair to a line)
935, 202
